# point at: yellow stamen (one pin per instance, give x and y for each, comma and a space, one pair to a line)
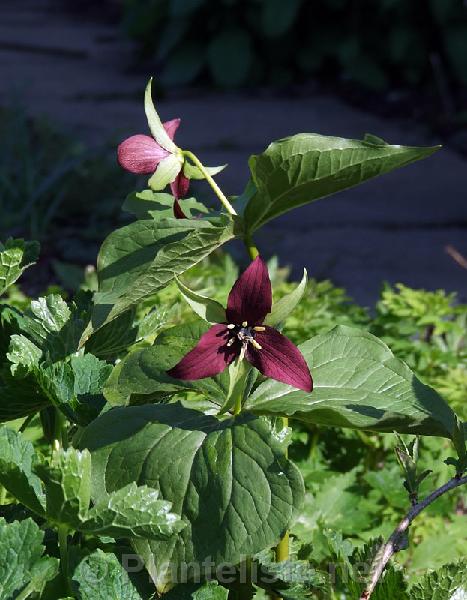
258, 328
255, 344
245, 324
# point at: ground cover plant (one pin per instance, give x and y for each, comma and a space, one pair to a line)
183, 427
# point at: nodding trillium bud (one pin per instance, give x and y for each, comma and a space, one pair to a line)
245, 336
159, 155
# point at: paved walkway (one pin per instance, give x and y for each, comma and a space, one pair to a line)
394, 228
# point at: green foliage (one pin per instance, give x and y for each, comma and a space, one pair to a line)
201, 463
23, 569
385, 46
15, 257
302, 168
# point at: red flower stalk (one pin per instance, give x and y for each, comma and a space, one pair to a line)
245, 336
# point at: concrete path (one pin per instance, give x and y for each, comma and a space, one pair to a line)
394, 228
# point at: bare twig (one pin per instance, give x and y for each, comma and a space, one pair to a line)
398, 538
457, 256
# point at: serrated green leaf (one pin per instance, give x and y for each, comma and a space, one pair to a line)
211, 590
200, 464
15, 257
144, 257
285, 306
209, 310
166, 172
358, 383
133, 511
302, 168
20, 558
67, 482
17, 461
141, 376
22, 352
100, 576
447, 583
155, 123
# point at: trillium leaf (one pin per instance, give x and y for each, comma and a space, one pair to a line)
133, 511
285, 306
158, 205
302, 168
21, 564
167, 170
155, 123
100, 576
15, 257
194, 172
67, 482
141, 377
209, 310
358, 383
229, 480
17, 462
144, 257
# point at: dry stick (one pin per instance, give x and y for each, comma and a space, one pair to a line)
396, 541
457, 256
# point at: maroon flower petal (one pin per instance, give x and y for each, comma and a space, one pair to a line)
171, 127
280, 359
140, 154
208, 358
180, 185
250, 299
178, 212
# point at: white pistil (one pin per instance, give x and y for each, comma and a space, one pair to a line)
245, 324
230, 326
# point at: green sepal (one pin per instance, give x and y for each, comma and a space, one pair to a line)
285, 306
209, 310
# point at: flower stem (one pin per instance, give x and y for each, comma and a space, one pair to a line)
282, 548
251, 248
217, 190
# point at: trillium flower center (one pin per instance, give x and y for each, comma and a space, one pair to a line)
245, 334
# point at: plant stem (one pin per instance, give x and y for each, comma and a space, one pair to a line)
60, 433
28, 590
217, 190
63, 547
397, 538
282, 548
251, 248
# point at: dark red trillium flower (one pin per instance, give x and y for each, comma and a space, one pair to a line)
142, 155
245, 336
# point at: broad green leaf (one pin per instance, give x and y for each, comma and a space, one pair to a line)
67, 483
144, 257
114, 338
17, 462
22, 352
141, 377
447, 583
21, 563
15, 257
302, 168
211, 590
284, 307
194, 172
155, 123
19, 396
166, 172
209, 310
158, 205
133, 511
358, 383
100, 576
229, 480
